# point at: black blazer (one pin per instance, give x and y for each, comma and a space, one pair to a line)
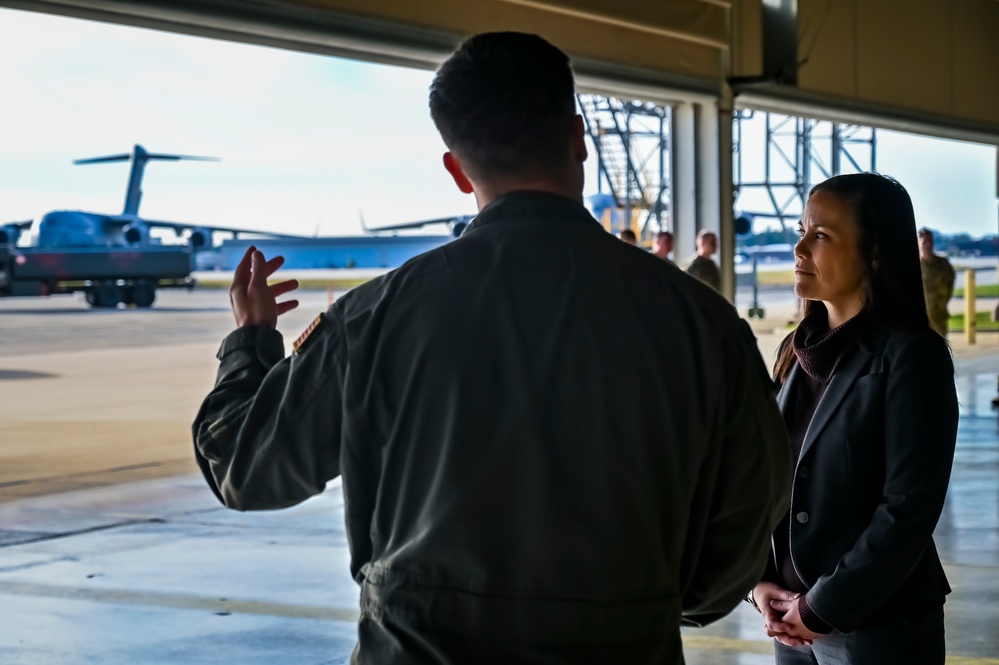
870, 482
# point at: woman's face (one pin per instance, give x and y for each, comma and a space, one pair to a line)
827, 261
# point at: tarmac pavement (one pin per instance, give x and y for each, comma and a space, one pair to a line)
113, 550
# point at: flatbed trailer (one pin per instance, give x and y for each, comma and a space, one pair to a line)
107, 275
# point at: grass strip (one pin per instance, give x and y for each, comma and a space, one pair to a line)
983, 321
981, 291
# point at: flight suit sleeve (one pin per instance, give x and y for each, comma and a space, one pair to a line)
268, 435
747, 484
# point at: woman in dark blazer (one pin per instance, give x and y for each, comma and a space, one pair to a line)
867, 393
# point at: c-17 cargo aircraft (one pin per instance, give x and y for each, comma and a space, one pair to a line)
76, 228
109, 257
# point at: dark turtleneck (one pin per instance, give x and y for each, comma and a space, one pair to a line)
819, 353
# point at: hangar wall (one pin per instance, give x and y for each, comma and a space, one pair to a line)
934, 56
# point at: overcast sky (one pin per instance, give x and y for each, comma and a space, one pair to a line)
305, 141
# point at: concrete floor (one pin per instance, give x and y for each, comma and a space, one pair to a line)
112, 551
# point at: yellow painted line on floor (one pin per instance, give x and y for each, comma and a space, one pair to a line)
713, 643
179, 601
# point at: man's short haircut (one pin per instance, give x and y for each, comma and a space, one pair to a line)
629, 234
664, 234
503, 103
925, 232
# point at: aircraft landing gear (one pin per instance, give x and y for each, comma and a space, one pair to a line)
143, 294
755, 309
108, 293
104, 294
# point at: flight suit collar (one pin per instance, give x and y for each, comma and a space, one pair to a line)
531, 204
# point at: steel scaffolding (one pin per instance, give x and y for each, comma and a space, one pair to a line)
797, 153
776, 160
632, 144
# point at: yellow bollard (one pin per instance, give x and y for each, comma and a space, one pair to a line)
970, 313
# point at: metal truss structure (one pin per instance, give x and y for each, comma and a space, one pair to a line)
776, 160
632, 144
797, 154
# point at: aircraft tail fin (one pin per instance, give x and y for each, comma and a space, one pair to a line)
139, 157
140, 154
124, 157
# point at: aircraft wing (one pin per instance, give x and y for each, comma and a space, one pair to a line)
410, 225
179, 227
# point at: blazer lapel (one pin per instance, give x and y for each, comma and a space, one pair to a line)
833, 397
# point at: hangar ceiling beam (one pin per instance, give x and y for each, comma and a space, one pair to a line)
922, 66
801, 103
926, 66
658, 52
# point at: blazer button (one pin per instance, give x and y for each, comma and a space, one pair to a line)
802, 517
803, 472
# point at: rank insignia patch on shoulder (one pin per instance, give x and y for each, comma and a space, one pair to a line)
300, 342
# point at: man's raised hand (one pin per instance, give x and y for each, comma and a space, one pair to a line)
254, 302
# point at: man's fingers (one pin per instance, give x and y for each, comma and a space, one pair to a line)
258, 276
241, 276
283, 307
273, 265
282, 288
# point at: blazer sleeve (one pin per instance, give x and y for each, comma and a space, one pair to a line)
920, 431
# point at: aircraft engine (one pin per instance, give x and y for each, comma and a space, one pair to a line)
200, 238
743, 225
9, 234
136, 233
459, 225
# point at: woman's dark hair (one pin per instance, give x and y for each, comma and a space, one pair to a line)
889, 250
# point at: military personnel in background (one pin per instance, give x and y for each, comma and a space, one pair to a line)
703, 267
663, 245
938, 282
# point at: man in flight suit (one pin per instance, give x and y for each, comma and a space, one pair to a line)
516, 488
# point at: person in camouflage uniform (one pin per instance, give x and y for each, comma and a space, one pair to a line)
938, 282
